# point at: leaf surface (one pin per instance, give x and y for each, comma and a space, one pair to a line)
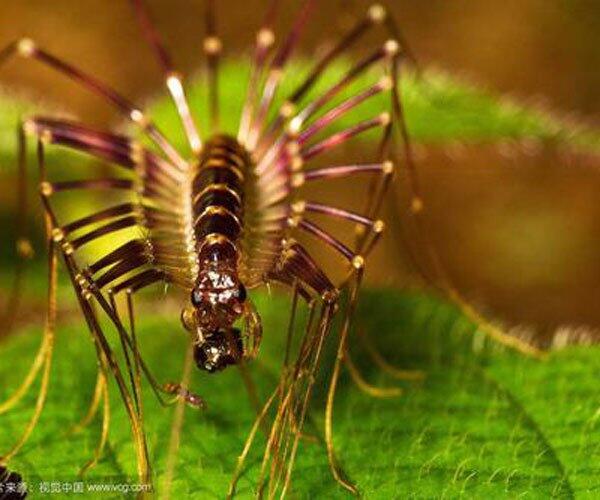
484, 422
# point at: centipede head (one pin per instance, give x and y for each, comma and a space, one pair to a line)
218, 350
217, 301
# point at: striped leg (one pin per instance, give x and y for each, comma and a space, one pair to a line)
291, 401
43, 359
285, 451
298, 262
177, 426
24, 251
114, 219
376, 16
275, 73
304, 376
130, 257
133, 369
173, 81
28, 49
84, 291
265, 38
23, 245
102, 387
129, 343
85, 298
297, 120
83, 288
212, 48
278, 394
292, 410
348, 315
441, 279
113, 148
292, 394
95, 401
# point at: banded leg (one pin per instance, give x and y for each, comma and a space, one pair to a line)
296, 265
358, 266
213, 47
284, 451
87, 292
364, 243
121, 261
417, 208
299, 270
85, 298
299, 119
173, 81
45, 354
133, 369
283, 402
306, 370
129, 341
24, 251
288, 402
28, 49
113, 148
23, 245
131, 256
274, 440
278, 393
95, 401
265, 38
357, 263
376, 227
358, 269
376, 16
297, 384
372, 229
177, 425
105, 397
442, 280
84, 289
275, 73
291, 411
388, 52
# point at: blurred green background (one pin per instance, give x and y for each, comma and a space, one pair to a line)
517, 223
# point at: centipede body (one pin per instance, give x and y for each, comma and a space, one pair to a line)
224, 216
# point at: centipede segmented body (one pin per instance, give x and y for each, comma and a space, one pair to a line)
222, 221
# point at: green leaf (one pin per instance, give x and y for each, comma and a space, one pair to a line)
485, 422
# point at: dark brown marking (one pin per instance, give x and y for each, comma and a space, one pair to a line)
218, 194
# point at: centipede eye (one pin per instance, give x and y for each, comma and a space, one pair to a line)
242, 294
196, 297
